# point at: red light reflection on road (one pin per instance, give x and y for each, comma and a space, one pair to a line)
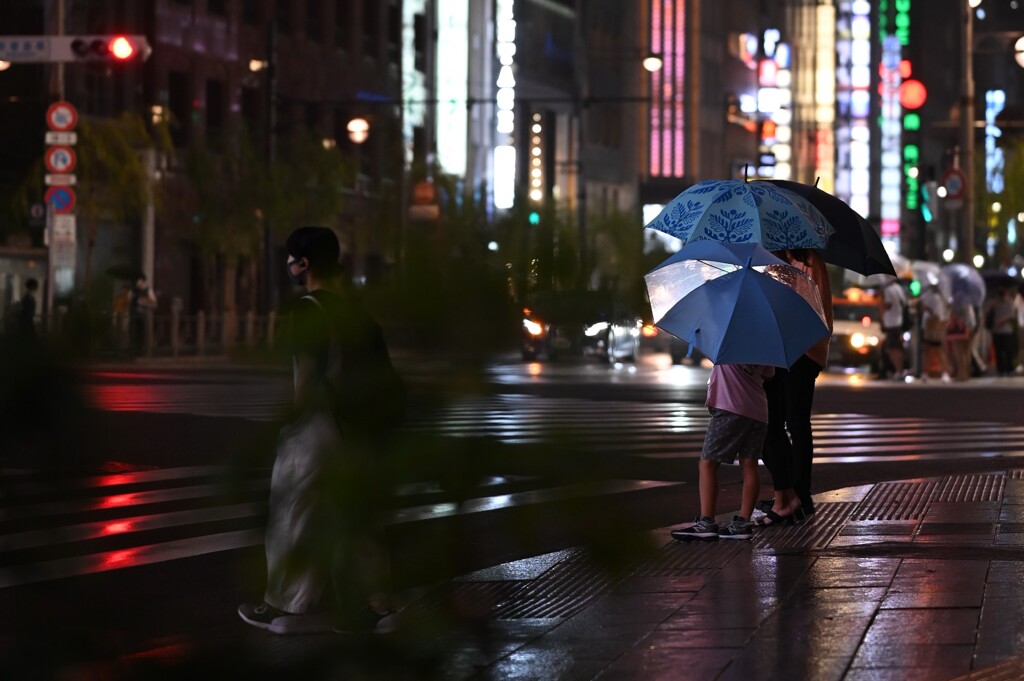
120, 559
118, 527
123, 397
117, 500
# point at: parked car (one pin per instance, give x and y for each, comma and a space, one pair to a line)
579, 323
856, 333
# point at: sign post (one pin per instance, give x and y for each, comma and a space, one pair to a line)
60, 199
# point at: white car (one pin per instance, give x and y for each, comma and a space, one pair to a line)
857, 335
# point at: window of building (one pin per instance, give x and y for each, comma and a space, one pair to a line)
283, 15
252, 114
215, 112
251, 12
342, 24
394, 29
312, 115
371, 29
419, 31
315, 20
179, 103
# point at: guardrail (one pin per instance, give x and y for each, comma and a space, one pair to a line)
164, 335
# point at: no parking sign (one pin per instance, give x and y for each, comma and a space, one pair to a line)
60, 199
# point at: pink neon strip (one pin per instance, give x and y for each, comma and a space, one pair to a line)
654, 144
668, 94
679, 47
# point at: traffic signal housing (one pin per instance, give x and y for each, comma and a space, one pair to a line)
109, 48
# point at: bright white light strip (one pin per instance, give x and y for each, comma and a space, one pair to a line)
504, 176
504, 151
452, 132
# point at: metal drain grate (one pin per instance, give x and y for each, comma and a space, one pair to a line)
560, 592
677, 557
1015, 475
814, 533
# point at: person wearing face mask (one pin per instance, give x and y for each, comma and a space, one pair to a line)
326, 493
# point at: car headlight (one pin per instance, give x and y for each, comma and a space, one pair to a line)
595, 329
858, 340
532, 327
873, 341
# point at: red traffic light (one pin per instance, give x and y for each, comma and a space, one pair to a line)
108, 48
121, 48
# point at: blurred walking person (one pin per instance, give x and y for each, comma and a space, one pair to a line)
1000, 318
326, 495
894, 300
963, 323
934, 320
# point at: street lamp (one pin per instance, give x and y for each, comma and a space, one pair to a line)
358, 130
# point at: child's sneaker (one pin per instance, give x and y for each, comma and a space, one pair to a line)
739, 528
703, 528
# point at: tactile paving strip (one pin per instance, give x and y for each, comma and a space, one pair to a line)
813, 533
908, 500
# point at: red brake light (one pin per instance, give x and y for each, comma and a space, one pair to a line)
865, 321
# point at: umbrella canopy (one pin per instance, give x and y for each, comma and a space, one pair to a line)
737, 211
964, 283
736, 303
855, 245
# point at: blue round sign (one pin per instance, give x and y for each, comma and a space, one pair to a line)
61, 199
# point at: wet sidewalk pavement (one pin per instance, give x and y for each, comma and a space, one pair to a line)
913, 579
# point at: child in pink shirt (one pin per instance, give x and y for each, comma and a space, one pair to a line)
739, 421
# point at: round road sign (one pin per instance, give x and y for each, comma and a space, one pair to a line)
61, 116
60, 159
61, 199
954, 182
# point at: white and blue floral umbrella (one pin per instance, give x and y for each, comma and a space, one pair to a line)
737, 211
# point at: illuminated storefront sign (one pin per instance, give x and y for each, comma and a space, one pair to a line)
452, 85
853, 104
995, 102
505, 151
668, 116
414, 86
825, 98
537, 158
775, 107
891, 160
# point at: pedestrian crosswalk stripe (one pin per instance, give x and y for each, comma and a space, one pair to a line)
71, 525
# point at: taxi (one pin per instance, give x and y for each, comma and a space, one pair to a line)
857, 335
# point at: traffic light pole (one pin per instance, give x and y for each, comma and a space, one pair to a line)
269, 289
967, 131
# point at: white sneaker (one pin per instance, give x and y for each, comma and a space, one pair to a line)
945, 377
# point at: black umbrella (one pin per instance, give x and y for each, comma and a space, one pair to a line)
129, 272
855, 245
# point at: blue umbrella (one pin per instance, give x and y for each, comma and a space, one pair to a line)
737, 303
737, 211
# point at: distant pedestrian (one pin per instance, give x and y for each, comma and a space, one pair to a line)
326, 495
789, 443
27, 311
739, 420
894, 302
122, 308
1000, 317
934, 321
143, 302
963, 324
1018, 306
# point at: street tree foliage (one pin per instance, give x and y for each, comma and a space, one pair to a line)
113, 186
226, 198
